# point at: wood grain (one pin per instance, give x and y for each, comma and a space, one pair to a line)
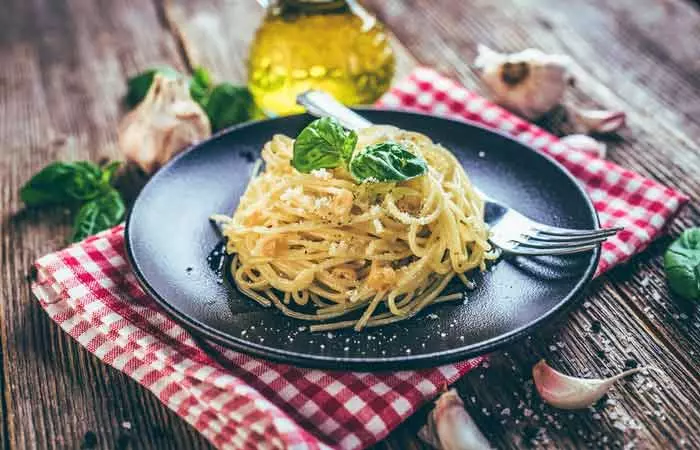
63, 68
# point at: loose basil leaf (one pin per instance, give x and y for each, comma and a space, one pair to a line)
323, 144
682, 265
138, 86
227, 105
200, 84
108, 172
98, 214
386, 161
62, 183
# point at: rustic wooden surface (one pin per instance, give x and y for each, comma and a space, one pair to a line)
63, 66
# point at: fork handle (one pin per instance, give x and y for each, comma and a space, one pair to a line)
321, 104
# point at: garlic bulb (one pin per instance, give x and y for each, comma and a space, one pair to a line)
163, 124
529, 83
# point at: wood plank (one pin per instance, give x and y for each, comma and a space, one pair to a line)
63, 66
633, 300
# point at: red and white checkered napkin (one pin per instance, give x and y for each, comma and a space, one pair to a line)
89, 290
240, 402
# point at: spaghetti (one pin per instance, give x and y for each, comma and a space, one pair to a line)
319, 246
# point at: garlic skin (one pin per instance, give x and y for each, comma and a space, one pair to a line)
585, 143
529, 83
597, 121
450, 427
566, 392
164, 123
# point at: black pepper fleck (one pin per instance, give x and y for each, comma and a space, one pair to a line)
189, 269
602, 403
161, 433
123, 441
529, 433
89, 440
248, 156
631, 363
31, 276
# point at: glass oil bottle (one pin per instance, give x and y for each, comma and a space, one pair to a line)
333, 45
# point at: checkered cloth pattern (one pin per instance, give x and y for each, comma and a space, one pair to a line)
239, 402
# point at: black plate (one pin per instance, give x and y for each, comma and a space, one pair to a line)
169, 238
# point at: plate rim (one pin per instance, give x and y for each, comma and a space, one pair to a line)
374, 364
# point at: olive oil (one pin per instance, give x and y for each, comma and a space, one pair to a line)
336, 46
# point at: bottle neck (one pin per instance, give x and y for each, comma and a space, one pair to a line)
311, 6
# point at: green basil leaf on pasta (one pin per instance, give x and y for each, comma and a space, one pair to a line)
682, 265
323, 144
386, 162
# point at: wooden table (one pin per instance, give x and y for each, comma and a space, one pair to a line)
63, 66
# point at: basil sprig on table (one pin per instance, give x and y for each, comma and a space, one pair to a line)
225, 104
82, 186
682, 265
325, 144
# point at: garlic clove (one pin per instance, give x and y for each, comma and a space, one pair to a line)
529, 83
598, 120
567, 392
450, 427
428, 433
163, 124
585, 143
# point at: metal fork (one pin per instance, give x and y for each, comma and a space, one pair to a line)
511, 231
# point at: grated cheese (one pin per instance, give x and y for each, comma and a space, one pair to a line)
323, 174
291, 194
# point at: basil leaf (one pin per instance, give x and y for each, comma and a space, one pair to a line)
98, 214
138, 85
200, 84
227, 105
62, 183
682, 265
323, 144
386, 161
108, 172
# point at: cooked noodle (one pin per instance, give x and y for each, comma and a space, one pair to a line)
323, 244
